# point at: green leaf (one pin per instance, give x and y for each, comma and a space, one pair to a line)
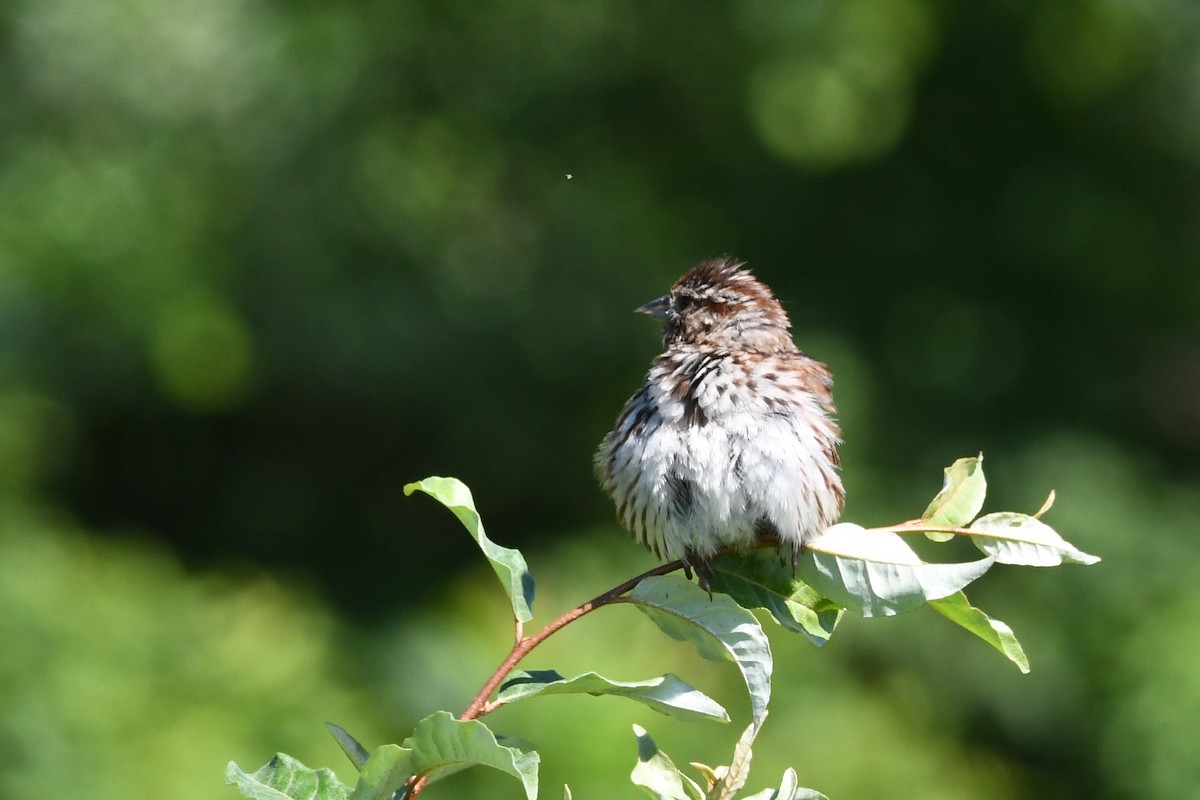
716, 626
1021, 539
958, 610
960, 499
658, 775
757, 579
878, 573
385, 773
285, 778
667, 694
442, 745
509, 564
354, 751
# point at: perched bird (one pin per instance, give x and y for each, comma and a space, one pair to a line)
730, 442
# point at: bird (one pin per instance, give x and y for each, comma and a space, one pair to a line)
731, 443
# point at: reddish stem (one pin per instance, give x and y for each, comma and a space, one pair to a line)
480, 705
920, 526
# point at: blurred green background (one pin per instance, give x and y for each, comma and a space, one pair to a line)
262, 263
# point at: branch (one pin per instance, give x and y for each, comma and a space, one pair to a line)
524, 644
480, 706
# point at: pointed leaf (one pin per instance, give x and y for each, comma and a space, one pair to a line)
878, 573
657, 774
385, 773
666, 694
566, 792
960, 499
354, 751
1021, 539
958, 610
717, 627
1046, 506
757, 579
442, 745
285, 778
509, 564
712, 775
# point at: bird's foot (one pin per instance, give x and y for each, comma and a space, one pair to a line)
703, 569
794, 552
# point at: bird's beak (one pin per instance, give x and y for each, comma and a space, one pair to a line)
656, 308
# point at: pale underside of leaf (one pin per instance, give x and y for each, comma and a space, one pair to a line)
666, 694
285, 778
442, 745
657, 775
878, 573
739, 766
789, 789
716, 626
1024, 540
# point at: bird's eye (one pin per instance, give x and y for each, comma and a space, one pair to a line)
683, 302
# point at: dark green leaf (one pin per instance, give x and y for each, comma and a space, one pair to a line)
667, 694
357, 754
757, 579
509, 564
285, 778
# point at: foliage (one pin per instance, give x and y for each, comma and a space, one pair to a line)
261, 261
123, 672
873, 572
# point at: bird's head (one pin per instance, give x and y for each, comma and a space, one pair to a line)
719, 304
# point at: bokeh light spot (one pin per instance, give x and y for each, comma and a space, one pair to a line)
942, 341
822, 116
202, 356
1082, 51
34, 438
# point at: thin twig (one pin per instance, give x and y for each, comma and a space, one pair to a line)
920, 526
480, 705
524, 645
